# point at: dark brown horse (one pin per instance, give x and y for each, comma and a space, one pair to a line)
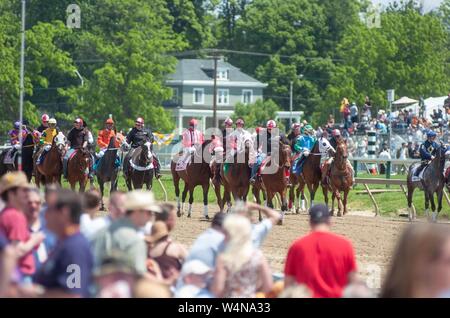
27, 158
197, 172
139, 169
236, 179
78, 168
106, 169
273, 177
51, 167
341, 179
310, 176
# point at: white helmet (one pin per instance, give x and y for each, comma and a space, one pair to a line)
271, 124
52, 121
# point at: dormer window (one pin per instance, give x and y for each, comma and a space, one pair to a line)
222, 74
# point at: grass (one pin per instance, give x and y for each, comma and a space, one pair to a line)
390, 203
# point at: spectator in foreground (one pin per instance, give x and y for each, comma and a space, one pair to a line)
7, 265
168, 215
123, 234
241, 270
195, 276
92, 203
72, 256
420, 266
209, 244
323, 261
13, 224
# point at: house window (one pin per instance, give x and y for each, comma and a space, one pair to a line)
199, 96
175, 94
223, 97
222, 74
247, 96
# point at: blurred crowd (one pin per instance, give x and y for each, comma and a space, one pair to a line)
60, 244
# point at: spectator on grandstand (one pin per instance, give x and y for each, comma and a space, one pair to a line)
241, 270
323, 261
13, 223
420, 263
72, 254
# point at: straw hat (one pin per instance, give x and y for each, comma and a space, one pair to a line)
141, 200
15, 179
159, 230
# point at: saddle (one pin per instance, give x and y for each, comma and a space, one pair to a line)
415, 177
262, 166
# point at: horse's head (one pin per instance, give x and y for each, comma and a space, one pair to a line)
146, 153
59, 141
341, 151
112, 142
285, 154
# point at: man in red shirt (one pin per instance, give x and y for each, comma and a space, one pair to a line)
13, 224
323, 261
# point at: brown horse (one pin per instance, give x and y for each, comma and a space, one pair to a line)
139, 168
27, 158
236, 179
197, 172
341, 179
50, 169
310, 176
273, 183
78, 169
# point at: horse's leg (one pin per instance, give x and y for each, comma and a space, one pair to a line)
183, 197
339, 199
411, 215
82, 185
191, 200
427, 204
333, 197
292, 197
298, 197
345, 201
312, 192
227, 199
270, 196
283, 206
433, 206
176, 184
440, 195
220, 202
102, 187
325, 194
205, 199
255, 192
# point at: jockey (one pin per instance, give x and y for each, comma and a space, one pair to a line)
295, 132
216, 149
191, 138
47, 138
239, 137
137, 136
335, 139
104, 136
44, 123
427, 151
76, 139
303, 145
325, 147
14, 137
264, 144
226, 132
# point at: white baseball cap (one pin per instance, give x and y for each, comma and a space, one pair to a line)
195, 267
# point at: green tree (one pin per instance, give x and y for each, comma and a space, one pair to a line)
256, 114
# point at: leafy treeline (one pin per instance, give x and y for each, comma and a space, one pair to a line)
122, 52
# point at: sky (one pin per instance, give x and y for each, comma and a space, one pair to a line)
428, 4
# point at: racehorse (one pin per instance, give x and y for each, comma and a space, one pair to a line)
236, 179
341, 179
50, 169
197, 172
272, 183
78, 168
432, 182
106, 169
310, 176
139, 169
27, 158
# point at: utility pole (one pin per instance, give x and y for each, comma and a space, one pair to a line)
215, 121
290, 104
22, 71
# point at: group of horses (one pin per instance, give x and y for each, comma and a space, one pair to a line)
234, 178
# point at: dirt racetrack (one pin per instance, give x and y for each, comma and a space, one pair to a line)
373, 238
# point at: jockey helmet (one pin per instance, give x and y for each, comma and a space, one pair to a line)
308, 129
17, 125
140, 120
193, 122
228, 121
240, 121
45, 118
78, 121
271, 124
109, 121
52, 121
431, 134
295, 126
336, 133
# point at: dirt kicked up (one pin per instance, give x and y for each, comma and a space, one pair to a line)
373, 238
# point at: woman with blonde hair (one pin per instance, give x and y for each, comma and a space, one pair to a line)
420, 266
241, 270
